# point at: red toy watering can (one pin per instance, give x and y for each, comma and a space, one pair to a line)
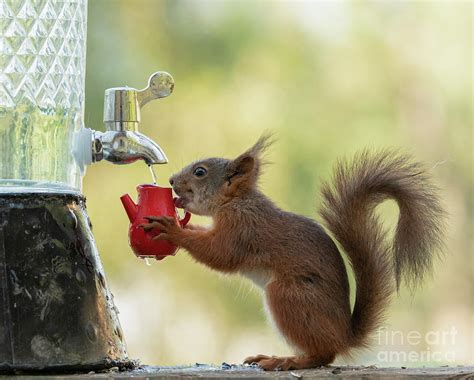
152, 201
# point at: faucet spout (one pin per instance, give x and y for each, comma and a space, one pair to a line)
125, 147
149, 151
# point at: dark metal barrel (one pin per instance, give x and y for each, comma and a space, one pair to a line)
56, 311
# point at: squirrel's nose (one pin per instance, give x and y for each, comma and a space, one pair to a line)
171, 181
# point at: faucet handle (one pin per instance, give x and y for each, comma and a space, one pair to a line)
122, 104
160, 85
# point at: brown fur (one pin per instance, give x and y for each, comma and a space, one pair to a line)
296, 262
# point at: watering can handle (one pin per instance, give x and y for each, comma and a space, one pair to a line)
185, 220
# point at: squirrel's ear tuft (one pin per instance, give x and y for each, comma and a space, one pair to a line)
262, 144
245, 169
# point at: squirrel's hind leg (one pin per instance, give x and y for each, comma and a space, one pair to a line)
287, 363
303, 312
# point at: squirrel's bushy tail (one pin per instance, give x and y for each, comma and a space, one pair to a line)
348, 211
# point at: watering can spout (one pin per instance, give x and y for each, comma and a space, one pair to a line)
129, 206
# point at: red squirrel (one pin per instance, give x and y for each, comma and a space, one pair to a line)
294, 260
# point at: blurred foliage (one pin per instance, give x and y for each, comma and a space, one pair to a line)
329, 78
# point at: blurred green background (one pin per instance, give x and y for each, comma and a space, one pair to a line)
329, 78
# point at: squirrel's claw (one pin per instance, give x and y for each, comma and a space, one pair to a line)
152, 218
149, 226
255, 359
164, 220
168, 226
161, 236
273, 363
164, 223
284, 363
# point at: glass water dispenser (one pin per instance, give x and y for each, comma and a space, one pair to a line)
58, 312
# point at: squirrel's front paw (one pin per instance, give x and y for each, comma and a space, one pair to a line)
169, 227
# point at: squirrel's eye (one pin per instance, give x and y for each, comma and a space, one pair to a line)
200, 171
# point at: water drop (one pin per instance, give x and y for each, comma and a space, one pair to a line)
147, 262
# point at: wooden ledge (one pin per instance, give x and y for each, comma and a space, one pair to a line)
225, 371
